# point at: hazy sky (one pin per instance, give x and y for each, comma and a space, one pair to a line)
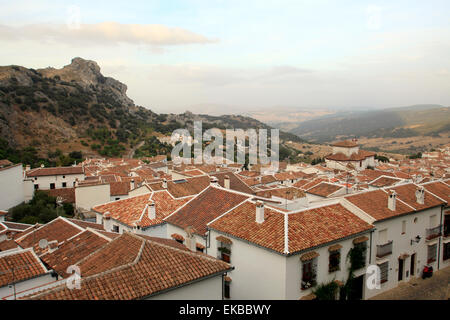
247, 54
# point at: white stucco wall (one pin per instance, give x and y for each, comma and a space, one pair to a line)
207, 289
402, 244
45, 181
11, 187
87, 197
25, 285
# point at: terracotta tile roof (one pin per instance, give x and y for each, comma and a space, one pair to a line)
322, 225
268, 179
72, 251
306, 229
25, 263
3, 213
311, 183
130, 211
345, 144
290, 193
440, 189
361, 155
68, 194
151, 268
384, 182
235, 182
59, 229
87, 224
16, 225
249, 174
324, 189
8, 245
184, 188
375, 204
119, 188
407, 193
54, 171
5, 163
207, 206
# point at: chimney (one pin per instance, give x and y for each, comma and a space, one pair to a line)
226, 182
420, 195
392, 200
164, 183
132, 184
151, 210
259, 212
27, 167
213, 180
190, 239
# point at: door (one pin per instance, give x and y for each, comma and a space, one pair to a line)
412, 269
400, 269
356, 292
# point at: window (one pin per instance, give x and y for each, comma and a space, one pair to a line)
115, 228
358, 256
432, 253
415, 220
200, 249
179, 241
117, 199
64, 184
226, 293
35, 178
403, 226
224, 251
52, 186
74, 183
309, 273
36, 186
447, 225
446, 250
334, 263
384, 271
64, 177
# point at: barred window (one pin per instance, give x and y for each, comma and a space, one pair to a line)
446, 250
334, 261
384, 271
432, 253
309, 273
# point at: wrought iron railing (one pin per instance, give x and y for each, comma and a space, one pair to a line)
384, 249
434, 232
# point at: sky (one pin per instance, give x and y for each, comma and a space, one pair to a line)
246, 55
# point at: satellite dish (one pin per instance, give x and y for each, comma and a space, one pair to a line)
43, 243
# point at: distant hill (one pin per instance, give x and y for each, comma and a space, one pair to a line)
402, 122
77, 108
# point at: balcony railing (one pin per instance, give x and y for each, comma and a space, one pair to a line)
384, 249
434, 232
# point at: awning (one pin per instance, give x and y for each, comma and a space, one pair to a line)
309, 256
335, 247
360, 240
403, 256
177, 236
200, 246
224, 239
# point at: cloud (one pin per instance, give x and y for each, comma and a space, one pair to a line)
106, 33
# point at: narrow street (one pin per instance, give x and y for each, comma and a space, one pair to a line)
434, 288
133, 150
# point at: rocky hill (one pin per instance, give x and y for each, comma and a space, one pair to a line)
77, 108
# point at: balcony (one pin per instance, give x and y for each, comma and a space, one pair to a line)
433, 232
384, 249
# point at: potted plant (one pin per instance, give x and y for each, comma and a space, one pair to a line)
225, 253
